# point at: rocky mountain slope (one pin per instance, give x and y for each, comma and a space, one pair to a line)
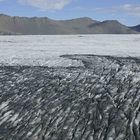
45, 26
136, 28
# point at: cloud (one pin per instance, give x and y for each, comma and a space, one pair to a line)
128, 9
131, 9
46, 4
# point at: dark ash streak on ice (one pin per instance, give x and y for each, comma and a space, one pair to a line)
99, 101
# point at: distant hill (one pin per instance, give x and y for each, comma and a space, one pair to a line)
136, 28
111, 27
45, 26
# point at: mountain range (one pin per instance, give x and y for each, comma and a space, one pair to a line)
136, 28
44, 26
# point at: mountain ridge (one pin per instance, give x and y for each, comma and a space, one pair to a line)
15, 25
136, 28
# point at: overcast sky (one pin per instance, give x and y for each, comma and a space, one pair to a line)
126, 11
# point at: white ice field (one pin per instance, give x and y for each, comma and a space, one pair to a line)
45, 50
